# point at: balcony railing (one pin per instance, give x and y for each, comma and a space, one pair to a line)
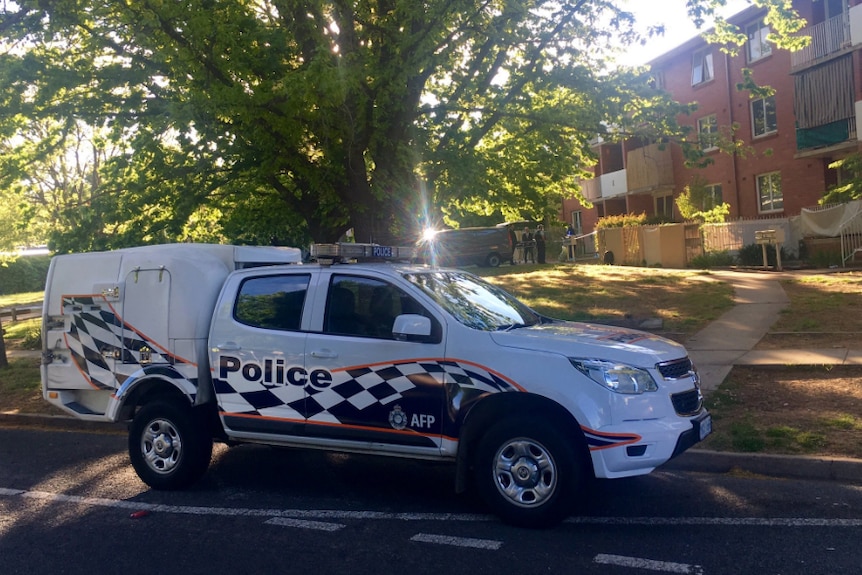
826, 38
605, 186
826, 135
649, 168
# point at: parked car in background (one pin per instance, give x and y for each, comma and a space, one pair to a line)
481, 246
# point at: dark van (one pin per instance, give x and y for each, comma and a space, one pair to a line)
466, 246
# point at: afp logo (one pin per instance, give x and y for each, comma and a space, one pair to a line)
400, 420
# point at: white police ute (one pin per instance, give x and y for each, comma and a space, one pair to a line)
192, 343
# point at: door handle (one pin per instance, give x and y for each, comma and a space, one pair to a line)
324, 354
228, 346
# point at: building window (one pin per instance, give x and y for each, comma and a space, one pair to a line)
769, 192
664, 206
757, 47
707, 132
711, 196
701, 67
577, 223
763, 116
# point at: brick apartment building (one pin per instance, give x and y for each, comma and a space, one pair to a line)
793, 136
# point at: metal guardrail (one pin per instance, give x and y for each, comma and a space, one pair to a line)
20, 313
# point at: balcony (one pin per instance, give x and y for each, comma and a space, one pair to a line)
827, 135
605, 186
826, 38
649, 169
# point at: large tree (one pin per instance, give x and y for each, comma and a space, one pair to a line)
302, 119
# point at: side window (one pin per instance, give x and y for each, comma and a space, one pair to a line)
365, 307
664, 206
712, 196
757, 45
272, 302
707, 132
769, 192
701, 67
764, 119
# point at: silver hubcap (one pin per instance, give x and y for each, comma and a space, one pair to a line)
525, 473
161, 446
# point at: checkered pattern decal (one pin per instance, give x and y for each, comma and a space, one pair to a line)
96, 330
361, 394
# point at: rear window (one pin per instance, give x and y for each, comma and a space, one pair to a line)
272, 302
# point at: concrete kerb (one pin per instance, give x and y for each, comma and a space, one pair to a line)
726, 342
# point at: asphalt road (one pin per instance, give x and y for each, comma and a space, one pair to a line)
70, 503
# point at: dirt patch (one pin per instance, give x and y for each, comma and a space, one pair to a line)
811, 341
791, 410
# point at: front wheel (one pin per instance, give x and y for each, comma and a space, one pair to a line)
169, 445
528, 473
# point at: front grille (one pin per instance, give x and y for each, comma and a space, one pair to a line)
687, 402
676, 369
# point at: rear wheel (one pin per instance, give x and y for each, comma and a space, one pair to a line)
493, 260
528, 472
169, 445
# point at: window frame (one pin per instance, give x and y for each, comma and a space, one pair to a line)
765, 113
702, 67
665, 201
770, 178
577, 222
754, 32
716, 198
708, 138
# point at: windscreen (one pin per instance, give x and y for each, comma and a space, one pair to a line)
473, 301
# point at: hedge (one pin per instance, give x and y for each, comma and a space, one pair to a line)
25, 274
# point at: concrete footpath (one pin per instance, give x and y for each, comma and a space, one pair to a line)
715, 350
730, 341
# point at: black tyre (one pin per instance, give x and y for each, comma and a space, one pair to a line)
169, 444
528, 472
493, 260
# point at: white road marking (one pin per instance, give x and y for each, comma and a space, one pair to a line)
305, 524
648, 564
336, 515
489, 544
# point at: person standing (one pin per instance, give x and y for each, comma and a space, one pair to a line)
540, 243
513, 243
529, 246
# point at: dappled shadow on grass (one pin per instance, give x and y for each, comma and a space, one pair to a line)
823, 304
684, 300
20, 388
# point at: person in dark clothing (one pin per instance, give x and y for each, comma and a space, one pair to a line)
529, 246
539, 238
540, 243
513, 242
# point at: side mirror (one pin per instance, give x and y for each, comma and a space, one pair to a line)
412, 327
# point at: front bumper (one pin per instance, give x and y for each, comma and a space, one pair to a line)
657, 442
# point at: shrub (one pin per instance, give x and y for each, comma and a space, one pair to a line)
24, 274
708, 260
824, 259
621, 221
752, 255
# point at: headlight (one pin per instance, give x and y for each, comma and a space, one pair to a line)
617, 377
